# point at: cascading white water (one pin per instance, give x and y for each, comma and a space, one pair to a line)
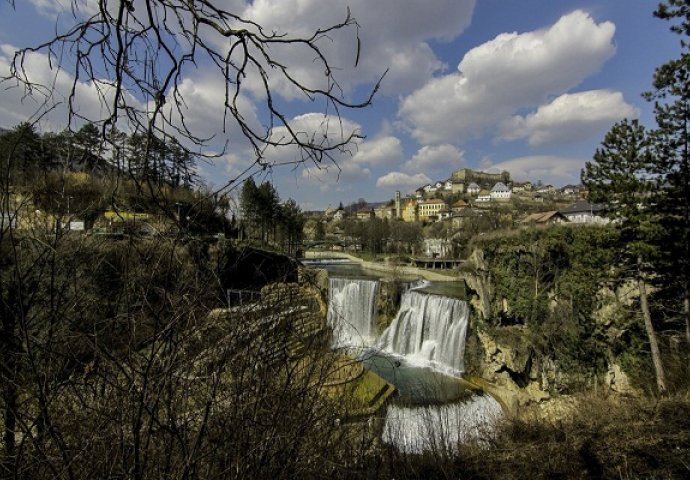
351, 312
441, 428
429, 329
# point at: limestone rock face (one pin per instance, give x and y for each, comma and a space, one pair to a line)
513, 358
387, 303
478, 280
505, 356
618, 381
509, 365
612, 303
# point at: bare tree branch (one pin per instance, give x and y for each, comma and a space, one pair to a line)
137, 54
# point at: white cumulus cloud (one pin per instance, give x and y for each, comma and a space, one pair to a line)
393, 37
50, 93
435, 159
379, 151
402, 181
570, 118
510, 72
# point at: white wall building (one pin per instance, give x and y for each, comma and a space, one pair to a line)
585, 212
473, 189
437, 247
500, 192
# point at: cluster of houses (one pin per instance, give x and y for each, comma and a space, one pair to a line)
498, 191
454, 198
435, 209
579, 212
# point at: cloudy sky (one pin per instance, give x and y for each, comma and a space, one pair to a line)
528, 86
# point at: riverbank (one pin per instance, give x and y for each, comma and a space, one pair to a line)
399, 270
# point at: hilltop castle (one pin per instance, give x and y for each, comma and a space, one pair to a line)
466, 176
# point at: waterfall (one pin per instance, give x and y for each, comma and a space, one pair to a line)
441, 428
351, 312
429, 329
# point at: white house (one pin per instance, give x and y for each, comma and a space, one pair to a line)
339, 215
546, 189
437, 247
473, 189
570, 190
484, 196
445, 213
500, 192
585, 212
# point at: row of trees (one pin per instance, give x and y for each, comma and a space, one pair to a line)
80, 175
643, 176
265, 218
140, 156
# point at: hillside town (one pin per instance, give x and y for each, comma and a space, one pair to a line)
447, 211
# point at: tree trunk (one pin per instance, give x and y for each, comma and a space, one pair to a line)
10, 393
10, 418
686, 313
654, 344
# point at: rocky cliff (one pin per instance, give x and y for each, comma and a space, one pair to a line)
525, 360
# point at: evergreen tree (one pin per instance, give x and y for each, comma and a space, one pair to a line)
23, 152
291, 225
671, 97
269, 212
118, 141
249, 206
180, 164
622, 177
89, 146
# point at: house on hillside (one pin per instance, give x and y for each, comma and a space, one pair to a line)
484, 196
473, 189
429, 209
546, 189
585, 212
429, 188
410, 210
459, 206
520, 187
385, 212
465, 217
365, 214
437, 247
339, 214
544, 218
445, 213
500, 192
570, 190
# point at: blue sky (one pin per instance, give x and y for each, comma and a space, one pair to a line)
529, 86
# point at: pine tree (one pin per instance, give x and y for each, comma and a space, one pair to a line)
622, 177
671, 97
89, 146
